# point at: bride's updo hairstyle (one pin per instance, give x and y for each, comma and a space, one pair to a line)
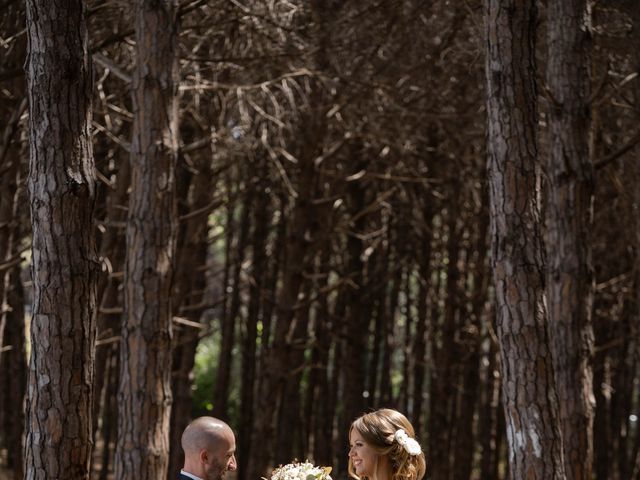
389, 432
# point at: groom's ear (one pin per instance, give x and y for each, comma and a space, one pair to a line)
204, 456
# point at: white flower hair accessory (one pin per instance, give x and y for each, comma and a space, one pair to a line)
411, 446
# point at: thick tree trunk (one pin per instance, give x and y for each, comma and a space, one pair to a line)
62, 191
528, 390
144, 393
570, 278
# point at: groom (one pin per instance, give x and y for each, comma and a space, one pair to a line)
209, 450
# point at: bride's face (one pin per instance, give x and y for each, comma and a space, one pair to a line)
362, 456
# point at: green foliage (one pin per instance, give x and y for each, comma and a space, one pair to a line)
204, 373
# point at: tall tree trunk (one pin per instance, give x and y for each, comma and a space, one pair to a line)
223, 378
471, 340
389, 322
62, 191
443, 385
289, 418
15, 365
10, 157
301, 232
144, 393
260, 221
528, 391
319, 398
188, 294
110, 413
570, 278
109, 318
357, 321
356, 343
488, 431
635, 295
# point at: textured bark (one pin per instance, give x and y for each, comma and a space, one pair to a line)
528, 390
569, 221
144, 393
62, 190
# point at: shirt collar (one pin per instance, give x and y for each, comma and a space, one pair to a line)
190, 475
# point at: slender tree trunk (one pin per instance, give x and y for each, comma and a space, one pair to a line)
570, 278
15, 366
336, 386
222, 386
260, 221
357, 320
10, 157
62, 191
471, 340
144, 393
443, 385
389, 322
635, 296
110, 410
528, 391
300, 244
488, 421
320, 402
290, 415
408, 354
190, 285
109, 318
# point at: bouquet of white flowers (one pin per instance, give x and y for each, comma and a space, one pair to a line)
301, 471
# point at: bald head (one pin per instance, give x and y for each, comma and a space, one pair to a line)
209, 448
205, 433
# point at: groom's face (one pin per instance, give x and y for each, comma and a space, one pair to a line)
222, 459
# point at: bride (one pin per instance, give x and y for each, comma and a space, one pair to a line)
383, 447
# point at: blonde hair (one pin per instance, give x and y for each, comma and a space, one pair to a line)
378, 429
